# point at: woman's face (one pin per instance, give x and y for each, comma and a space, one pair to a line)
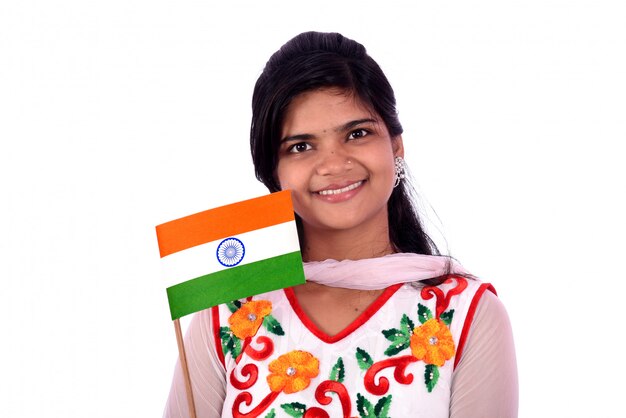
337, 158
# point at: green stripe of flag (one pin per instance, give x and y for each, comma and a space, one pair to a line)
235, 283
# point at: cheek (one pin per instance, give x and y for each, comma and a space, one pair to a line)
286, 176
385, 165
279, 175
298, 207
391, 170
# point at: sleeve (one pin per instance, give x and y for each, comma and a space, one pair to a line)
208, 377
484, 384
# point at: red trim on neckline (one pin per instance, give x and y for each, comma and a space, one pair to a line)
353, 326
470, 318
215, 317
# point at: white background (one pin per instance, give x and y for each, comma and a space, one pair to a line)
119, 115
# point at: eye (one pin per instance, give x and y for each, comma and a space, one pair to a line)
299, 147
358, 133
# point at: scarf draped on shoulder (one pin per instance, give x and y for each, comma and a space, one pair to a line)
381, 272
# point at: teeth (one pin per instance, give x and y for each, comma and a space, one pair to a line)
343, 190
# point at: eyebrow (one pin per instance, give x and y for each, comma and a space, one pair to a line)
342, 128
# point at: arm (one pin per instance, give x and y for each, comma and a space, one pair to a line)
484, 384
208, 378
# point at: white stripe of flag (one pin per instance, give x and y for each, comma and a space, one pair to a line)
201, 260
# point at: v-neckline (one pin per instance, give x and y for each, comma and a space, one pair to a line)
374, 307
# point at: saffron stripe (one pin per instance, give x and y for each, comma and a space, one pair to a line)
224, 221
235, 283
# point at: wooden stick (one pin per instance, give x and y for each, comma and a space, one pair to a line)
183, 364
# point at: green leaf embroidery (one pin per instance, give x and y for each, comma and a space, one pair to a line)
231, 345
294, 409
393, 334
233, 306
225, 332
227, 338
382, 407
236, 347
400, 338
446, 317
271, 414
406, 325
365, 407
364, 359
228, 346
397, 345
272, 325
423, 313
338, 372
431, 375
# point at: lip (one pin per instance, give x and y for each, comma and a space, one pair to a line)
335, 193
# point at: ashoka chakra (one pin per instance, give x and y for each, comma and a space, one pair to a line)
230, 252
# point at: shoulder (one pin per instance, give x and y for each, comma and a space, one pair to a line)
490, 306
491, 317
487, 329
485, 376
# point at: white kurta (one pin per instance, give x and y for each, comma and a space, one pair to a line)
484, 383
395, 359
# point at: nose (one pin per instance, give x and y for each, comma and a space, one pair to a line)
333, 161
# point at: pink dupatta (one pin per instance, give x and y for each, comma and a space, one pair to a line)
381, 272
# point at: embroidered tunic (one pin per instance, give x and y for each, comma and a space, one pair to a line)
396, 359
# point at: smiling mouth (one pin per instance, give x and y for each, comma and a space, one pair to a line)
342, 190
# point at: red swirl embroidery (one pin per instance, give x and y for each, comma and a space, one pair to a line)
323, 399
262, 353
244, 347
257, 354
246, 397
443, 301
399, 363
315, 412
251, 371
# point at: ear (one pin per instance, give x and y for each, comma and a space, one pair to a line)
398, 146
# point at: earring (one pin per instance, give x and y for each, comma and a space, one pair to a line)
400, 170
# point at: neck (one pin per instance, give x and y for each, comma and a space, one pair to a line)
323, 244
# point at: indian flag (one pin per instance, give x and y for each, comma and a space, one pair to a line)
229, 253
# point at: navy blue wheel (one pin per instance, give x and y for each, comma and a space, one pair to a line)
230, 252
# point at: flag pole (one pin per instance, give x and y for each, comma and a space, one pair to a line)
183, 364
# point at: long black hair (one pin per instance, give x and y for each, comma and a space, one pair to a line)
315, 60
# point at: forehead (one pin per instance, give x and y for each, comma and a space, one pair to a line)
324, 109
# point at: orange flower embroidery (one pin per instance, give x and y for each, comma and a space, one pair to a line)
247, 320
432, 342
292, 372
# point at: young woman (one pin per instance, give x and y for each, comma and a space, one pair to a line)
384, 326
